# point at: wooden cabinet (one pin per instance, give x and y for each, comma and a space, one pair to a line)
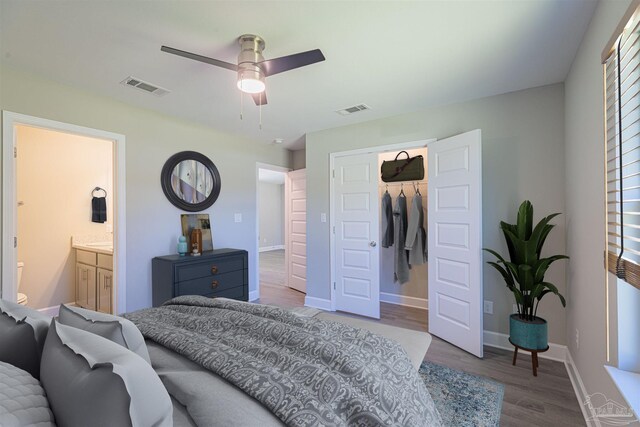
94, 281
218, 273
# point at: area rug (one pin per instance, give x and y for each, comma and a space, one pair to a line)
463, 399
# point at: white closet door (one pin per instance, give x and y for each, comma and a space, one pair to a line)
356, 221
295, 190
455, 241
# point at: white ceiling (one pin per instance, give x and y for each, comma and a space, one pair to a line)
395, 56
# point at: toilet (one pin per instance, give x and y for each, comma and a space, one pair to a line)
22, 298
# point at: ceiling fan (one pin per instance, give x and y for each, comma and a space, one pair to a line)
252, 68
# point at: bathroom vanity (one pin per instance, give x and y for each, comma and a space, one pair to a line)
94, 277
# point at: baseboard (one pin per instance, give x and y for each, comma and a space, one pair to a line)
556, 352
580, 390
254, 295
270, 248
404, 300
53, 310
322, 304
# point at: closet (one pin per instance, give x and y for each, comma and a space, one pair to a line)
414, 291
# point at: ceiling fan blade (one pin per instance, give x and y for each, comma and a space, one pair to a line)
290, 62
260, 98
196, 57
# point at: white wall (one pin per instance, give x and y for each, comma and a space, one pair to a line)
271, 214
584, 188
153, 224
56, 173
417, 286
522, 158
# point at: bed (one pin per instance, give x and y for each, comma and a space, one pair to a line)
198, 361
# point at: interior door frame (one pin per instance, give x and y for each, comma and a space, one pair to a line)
10, 120
332, 204
254, 295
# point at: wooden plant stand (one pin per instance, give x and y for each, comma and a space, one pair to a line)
534, 356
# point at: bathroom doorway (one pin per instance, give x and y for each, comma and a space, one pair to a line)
63, 204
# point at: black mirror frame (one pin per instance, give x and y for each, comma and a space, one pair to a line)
165, 181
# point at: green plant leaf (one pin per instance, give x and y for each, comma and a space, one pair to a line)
526, 277
506, 274
504, 226
525, 220
543, 265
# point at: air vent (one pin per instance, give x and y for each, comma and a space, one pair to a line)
354, 109
144, 86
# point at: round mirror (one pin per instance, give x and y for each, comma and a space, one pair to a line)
190, 181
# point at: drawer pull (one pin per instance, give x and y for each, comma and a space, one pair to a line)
214, 269
214, 284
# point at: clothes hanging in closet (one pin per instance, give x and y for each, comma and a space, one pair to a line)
400, 255
387, 220
415, 242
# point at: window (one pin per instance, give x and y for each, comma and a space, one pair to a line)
622, 94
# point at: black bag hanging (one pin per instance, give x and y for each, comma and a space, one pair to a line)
409, 169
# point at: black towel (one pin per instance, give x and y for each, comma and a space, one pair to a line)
99, 209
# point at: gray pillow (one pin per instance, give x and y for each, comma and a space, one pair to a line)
22, 399
91, 381
22, 335
113, 328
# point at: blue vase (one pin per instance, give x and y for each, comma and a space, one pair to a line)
182, 246
528, 334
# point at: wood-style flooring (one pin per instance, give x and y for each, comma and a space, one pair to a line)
545, 400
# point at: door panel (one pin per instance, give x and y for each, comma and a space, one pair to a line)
356, 225
455, 244
296, 229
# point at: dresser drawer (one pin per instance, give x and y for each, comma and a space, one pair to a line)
211, 284
209, 268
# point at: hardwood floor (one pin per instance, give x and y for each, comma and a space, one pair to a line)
545, 400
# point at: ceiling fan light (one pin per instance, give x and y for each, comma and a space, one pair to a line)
251, 85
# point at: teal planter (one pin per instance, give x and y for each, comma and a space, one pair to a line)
528, 334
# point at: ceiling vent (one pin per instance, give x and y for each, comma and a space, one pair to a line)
354, 109
144, 86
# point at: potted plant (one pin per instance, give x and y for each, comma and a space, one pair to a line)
524, 276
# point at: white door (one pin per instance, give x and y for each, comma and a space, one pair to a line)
356, 222
455, 240
295, 190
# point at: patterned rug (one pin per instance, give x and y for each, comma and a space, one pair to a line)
463, 399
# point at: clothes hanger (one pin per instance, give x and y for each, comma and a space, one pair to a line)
416, 187
401, 189
386, 188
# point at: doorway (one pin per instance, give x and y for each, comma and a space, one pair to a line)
51, 172
270, 228
454, 222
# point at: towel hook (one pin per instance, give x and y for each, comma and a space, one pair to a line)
98, 189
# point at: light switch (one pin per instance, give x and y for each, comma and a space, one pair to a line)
323, 217
237, 217
109, 228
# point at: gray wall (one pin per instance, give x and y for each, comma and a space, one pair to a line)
153, 224
299, 159
271, 214
584, 139
523, 158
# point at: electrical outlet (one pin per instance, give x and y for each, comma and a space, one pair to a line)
237, 217
109, 228
488, 307
577, 339
323, 217
264, 240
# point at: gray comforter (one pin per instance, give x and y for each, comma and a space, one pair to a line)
306, 371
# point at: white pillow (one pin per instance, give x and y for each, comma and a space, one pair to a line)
113, 328
91, 381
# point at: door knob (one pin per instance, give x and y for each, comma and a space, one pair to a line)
372, 244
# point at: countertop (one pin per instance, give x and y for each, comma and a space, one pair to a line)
99, 247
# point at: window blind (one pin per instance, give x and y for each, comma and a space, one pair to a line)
622, 130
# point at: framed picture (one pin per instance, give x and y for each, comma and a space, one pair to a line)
201, 221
